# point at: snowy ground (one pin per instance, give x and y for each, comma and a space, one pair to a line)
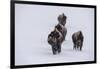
33, 23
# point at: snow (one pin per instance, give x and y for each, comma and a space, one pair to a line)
33, 23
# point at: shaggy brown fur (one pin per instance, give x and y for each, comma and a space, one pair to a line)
55, 39
78, 38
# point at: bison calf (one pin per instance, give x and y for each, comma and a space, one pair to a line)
77, 38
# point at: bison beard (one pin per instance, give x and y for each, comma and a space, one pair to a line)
55, 40
77, 38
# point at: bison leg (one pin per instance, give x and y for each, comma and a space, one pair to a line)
74, 46
78, 46
59, 48
74, 43
54, 49
81, 47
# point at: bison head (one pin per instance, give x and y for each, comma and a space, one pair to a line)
62, 19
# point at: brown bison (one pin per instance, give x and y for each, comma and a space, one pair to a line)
55, 39
78, 38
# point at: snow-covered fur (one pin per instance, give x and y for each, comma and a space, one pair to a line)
78, 38
55, 39
62, 29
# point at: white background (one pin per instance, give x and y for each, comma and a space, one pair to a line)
5, 34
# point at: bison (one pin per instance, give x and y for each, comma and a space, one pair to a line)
57, 36
62, 19
77, 39
55, 39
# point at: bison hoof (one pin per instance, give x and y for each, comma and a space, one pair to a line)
59, 51
54, 53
